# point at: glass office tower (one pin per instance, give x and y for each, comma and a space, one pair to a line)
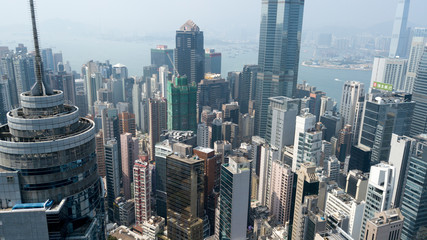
278, 59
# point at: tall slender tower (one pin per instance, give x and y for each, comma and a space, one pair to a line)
142, 185
419, 120
278, 59
53, 151
400, 35
189, 52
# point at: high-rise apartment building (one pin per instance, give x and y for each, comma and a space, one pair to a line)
142, 191
390, 71
282, 113
189, 52
234, 198
383, 115
385, 225
127, 123
352, 92
419, 122
129, 154
307, 141
414, 197
278, 59
157, 109
282, 179
268, 155
380, 191
182, 101
203, 139
400, 34
112, 170
307, 184
185, 190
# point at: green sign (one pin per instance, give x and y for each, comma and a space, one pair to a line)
383, 86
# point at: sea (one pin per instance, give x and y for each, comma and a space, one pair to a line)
136, 53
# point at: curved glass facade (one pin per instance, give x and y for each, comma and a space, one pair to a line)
53, 151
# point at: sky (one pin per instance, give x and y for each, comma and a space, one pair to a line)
69, 24
222, 18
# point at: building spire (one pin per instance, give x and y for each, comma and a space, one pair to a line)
40, 88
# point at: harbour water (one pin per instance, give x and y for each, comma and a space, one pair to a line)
136, 54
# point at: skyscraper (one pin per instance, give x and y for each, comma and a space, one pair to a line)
112, 169
307, 184
47, 134
234, 198
416, 52
127, 123
142, 186
189, 52
282, 180
419, 121
278, 59
400, 34
185, 201
130, 153
182, 99
303, 141
383, 115
351, 93
212, 91
414, 197
282, 113
157, 122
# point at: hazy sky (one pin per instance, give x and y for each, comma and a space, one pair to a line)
124, 31
221, 18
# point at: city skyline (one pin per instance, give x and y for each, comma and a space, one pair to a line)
215, 147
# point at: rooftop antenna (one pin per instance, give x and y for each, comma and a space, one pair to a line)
37, 89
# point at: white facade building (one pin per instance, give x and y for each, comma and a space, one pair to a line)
203, 135
391, 71
380, 192
351, 93
304, 122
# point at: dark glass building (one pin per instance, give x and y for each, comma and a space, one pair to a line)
190, 52
414, 207
385, 114
278, 59
185, 197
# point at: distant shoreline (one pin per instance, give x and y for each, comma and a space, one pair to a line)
334, 67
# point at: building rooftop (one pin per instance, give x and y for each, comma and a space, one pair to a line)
387, 216
189, 26
204, 149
